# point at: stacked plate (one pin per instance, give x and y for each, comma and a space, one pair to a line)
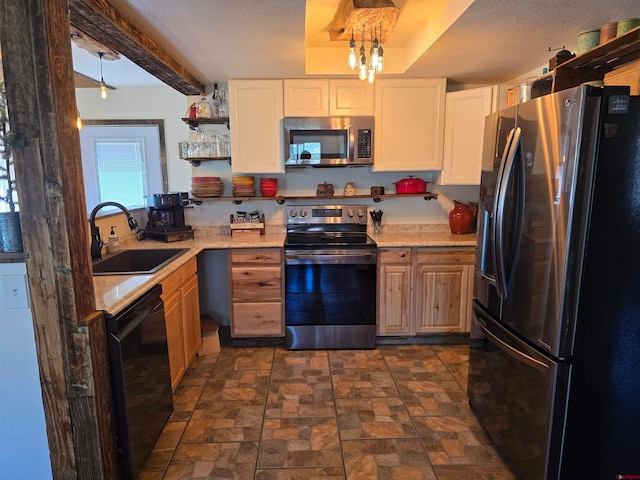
204, 187
243, 186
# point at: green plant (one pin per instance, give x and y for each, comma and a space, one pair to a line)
7, 143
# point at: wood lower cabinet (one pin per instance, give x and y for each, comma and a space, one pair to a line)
182, 313
425, 290
191, 319
175, 339
443, 290
394, 291
256, 292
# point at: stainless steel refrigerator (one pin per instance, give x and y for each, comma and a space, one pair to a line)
554, 375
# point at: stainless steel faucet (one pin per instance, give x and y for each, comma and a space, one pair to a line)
96, 241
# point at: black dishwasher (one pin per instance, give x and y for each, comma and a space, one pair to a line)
140, 379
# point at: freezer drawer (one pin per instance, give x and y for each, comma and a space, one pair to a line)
518, 395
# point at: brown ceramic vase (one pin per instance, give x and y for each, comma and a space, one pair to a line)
461, 219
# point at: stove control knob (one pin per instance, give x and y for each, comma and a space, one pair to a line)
350, 213
360, 212
293, 213
303, 213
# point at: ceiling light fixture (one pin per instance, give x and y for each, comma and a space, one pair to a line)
366, 69
352, 60
103, 86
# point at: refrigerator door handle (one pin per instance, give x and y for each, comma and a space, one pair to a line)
509, 350
504, 175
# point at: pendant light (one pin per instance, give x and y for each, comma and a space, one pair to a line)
367, 69
352, 60
103, 86
363, 58
380, 52
79, 124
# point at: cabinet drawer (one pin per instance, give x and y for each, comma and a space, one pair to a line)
252, 284
257, 319
446, 255
394, 255
252, 255
190, 268
174, 281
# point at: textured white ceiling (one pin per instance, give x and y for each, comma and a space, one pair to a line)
493, 41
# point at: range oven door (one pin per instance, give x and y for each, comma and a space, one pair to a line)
519, 396
330, 298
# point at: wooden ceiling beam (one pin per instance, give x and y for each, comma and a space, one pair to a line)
352, 15
101, 21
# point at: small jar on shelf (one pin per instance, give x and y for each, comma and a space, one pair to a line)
203, 107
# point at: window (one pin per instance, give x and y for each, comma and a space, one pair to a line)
122, 161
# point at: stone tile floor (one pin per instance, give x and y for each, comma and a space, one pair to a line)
395, 413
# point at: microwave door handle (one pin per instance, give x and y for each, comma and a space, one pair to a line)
499, 220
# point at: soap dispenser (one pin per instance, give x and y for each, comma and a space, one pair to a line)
113, 241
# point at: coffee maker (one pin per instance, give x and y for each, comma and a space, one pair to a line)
165, 213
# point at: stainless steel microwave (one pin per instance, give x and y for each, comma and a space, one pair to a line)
328, 141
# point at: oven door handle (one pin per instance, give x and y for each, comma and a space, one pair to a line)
324, 258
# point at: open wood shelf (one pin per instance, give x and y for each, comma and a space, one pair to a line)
195, 161
195, 122
280, 199
590, 65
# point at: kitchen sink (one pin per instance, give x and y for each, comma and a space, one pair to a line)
137, 261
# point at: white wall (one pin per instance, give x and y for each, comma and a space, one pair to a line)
24, 451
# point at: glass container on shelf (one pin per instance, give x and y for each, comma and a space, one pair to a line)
219, 102
203, 107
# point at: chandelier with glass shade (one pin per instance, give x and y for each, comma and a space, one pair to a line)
367, 68
369, 22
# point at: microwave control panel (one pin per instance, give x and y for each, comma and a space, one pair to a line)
364, 143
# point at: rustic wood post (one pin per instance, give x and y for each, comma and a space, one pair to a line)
70, 335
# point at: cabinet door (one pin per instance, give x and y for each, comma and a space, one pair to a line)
255, 115
350, 97
464, 134
306, 98
191, 319
394, 287
628, 74
175, 337
441, 298
409, 131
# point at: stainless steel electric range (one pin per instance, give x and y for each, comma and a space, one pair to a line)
330, 278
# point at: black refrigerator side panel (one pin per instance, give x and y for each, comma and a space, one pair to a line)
602, 438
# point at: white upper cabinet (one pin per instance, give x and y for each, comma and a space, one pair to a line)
321, 98
306, 98
409, 128
255, 118
351, 97
464, 134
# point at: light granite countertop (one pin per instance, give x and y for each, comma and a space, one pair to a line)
115, 292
